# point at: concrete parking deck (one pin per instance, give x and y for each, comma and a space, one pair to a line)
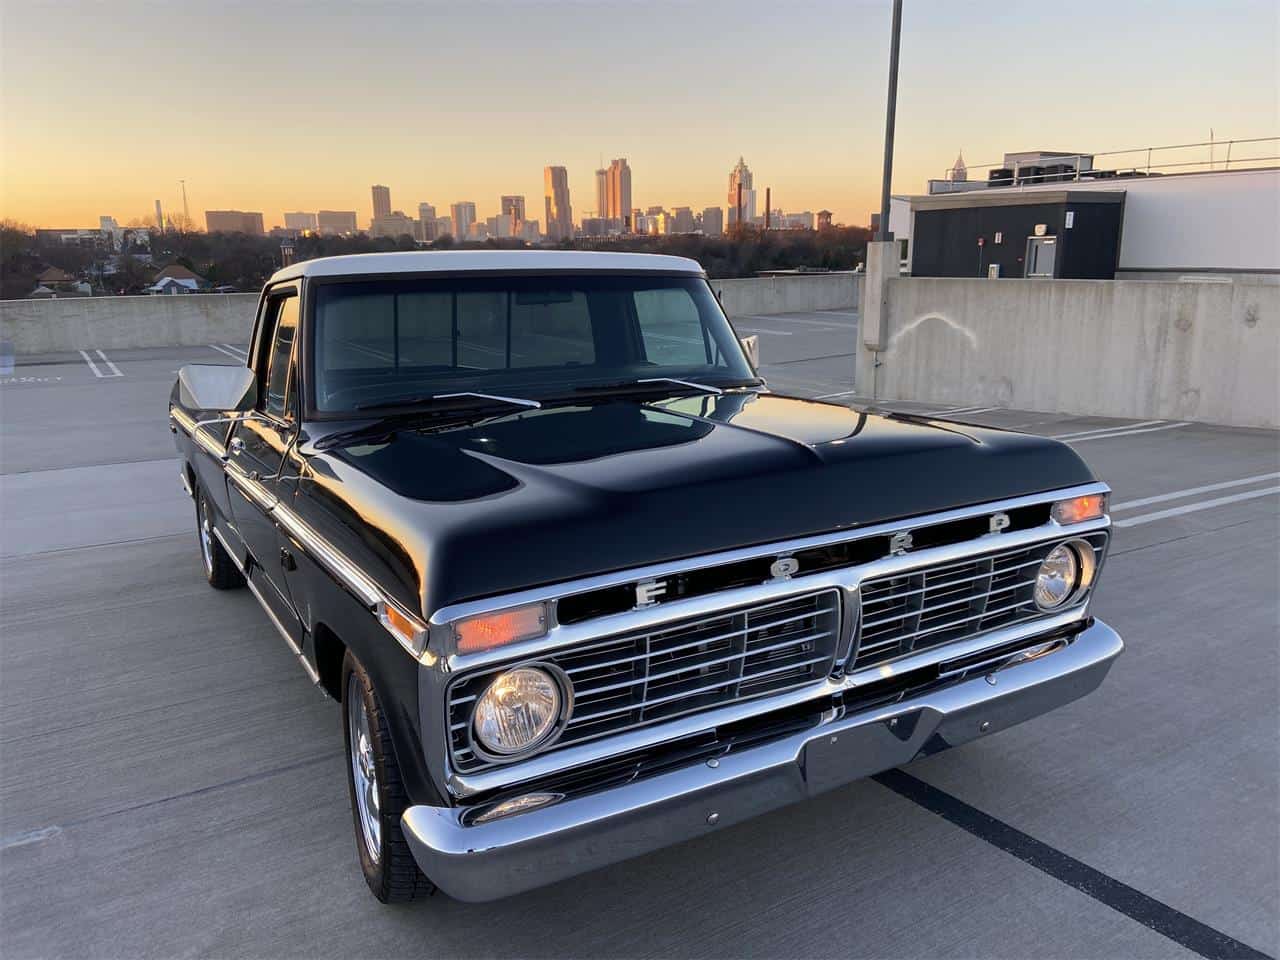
172, 784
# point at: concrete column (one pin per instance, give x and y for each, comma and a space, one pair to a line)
882, 266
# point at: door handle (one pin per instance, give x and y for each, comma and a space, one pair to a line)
236, 446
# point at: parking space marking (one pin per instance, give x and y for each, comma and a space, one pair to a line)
1194, 507
115, 371
776, 318
244, 354
1087, 433
771, 333
1190, 491
1119, 896
1126, 433
227, 351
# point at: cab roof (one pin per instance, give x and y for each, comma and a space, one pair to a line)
488, 261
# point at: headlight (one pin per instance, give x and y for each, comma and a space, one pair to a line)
520, 710
1065, 574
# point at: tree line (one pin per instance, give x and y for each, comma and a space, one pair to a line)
242, 262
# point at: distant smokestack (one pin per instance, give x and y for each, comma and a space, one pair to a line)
159, 218
768, 205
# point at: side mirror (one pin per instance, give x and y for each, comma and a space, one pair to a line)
751, 347
213, 387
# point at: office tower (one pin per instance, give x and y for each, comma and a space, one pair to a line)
559, 214
602, 193
302, 222
682, 220
740, 175
233, 221
513, 207
381, 201
336, 223
618, 179
464, 215
713, 221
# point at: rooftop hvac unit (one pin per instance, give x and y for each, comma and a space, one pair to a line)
1000, 177
1030, 175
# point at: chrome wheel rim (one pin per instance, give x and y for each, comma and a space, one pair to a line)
206, 537
364, 776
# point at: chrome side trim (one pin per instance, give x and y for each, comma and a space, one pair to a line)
201, 437
466, 785
329, 557
186, 484
254, 491
284, 634
556, 590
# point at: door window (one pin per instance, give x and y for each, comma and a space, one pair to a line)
276, 402
1041, 253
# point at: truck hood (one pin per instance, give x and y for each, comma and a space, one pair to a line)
445, 515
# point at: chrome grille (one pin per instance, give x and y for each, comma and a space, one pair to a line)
952, 601
681, 667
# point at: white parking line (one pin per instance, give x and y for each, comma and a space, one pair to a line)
972, 410
235, 349
226, 352
115, 371
947, 410
1191, 491
809, 323
1089, 433
768, 333
1194, 507
842, 393
1128, 433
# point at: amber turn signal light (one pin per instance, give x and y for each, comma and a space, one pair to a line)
498, 629
1080, 509
411, 634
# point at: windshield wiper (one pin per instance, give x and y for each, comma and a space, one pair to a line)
623, 386
411, 401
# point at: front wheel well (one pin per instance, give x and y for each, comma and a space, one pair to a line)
329, 653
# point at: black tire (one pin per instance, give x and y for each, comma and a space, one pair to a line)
219, 569
389, 870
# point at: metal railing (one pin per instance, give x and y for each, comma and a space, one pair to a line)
1146, 158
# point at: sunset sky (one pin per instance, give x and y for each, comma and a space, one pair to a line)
288, 105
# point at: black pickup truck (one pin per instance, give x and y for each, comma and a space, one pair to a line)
584, 587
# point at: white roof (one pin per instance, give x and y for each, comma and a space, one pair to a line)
432, 261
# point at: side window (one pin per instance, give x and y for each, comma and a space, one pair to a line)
671, 328
276, 395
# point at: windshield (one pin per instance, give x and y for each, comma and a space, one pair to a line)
379, 341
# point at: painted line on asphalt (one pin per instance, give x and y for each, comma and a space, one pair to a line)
225, 352
771, 333
948, 410
973, 410
115, 371
234, 349
94, 367
1194, 507
1183, 930
780, 318
1128, 433
1190, 491
1089, 433
842, 393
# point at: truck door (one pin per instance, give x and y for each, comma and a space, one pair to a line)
257, 451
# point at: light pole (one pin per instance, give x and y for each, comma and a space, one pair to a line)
890, 111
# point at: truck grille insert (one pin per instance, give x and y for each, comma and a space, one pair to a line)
949, 602
635, 679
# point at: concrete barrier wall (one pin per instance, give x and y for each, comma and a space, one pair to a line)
798, 294
119, 323
116, 323
1146, 350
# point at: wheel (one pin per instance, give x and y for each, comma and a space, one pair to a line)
377, 793
219, 569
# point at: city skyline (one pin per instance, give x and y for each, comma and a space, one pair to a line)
806, 106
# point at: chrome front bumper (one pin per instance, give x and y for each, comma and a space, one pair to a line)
503, 857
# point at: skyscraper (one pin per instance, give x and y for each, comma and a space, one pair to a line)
713, 221
336, 222
618, 179
300, 221
602, 193
513, 207
381, 201
741, 174
463, 214
559, 214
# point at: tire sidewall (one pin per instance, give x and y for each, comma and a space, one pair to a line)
374, 870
